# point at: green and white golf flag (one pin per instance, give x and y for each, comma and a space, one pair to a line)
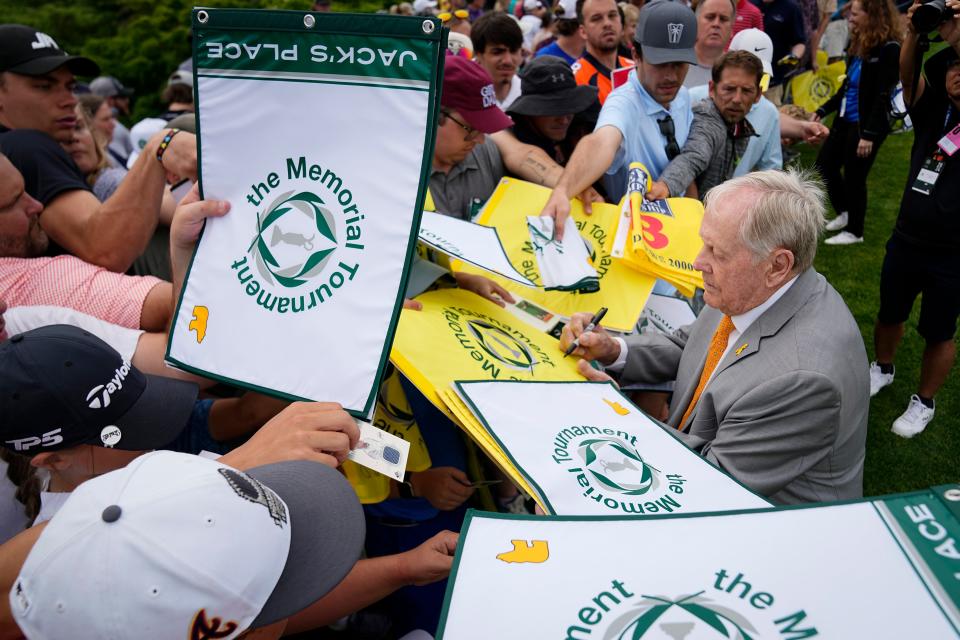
473, 243
318, 128
592, 452
887, 568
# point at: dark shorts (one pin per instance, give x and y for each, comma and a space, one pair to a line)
909, 271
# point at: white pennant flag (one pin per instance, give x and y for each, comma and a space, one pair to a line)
888, 568
586, 450
316, 128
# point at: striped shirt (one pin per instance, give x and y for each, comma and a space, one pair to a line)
67, 281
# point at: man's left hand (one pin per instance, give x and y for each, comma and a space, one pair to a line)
864, 148
180, 159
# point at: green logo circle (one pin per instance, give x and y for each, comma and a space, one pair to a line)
501, 346
617, 466
295, 239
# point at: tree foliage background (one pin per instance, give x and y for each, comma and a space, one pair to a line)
141, 42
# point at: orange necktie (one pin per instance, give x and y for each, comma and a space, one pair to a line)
718, 344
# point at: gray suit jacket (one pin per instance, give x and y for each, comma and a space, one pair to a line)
787, 416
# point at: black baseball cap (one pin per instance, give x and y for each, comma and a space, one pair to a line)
61, 387
29, 52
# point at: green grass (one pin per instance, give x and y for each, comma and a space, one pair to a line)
893, 464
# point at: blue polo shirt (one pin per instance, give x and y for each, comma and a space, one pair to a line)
763, 151
634, 113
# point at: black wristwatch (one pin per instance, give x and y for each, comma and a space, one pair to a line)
405, 488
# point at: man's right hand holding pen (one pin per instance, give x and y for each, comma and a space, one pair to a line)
594, 345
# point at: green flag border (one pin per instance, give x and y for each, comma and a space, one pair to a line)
344, 24
934, 495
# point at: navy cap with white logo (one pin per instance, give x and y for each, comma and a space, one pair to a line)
29, 52
667, 31
61, 387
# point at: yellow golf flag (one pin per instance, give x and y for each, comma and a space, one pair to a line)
660, 237
624, 291
460, 336
812, 89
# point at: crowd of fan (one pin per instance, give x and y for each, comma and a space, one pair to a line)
98, 222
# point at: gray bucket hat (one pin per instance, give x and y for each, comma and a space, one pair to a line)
666, 32
547, 88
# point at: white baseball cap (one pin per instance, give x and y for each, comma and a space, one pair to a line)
756, 42
175, 545
567, 9
140, 135
419, 6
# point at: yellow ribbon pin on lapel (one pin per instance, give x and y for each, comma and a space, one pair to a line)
741, 348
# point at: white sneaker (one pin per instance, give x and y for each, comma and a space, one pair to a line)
844, 237
879, 379
914, 420
840, 222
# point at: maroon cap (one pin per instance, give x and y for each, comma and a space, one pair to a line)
468, 88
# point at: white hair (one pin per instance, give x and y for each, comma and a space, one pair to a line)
782, 209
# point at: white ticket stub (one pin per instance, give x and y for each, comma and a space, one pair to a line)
381, 451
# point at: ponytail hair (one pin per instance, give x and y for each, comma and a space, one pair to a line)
24, 476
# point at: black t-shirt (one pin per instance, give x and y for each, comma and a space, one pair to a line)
46, 168
783, 22
932, 221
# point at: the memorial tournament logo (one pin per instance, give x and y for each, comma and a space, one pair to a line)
294, 240
307, 239
731, 606
687, 617
617, 467
501, 346
606, 467
500, 351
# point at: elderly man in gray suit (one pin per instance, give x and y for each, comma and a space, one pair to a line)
771, 382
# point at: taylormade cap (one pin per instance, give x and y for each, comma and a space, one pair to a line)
468, 88
61, 387
180, 76
756, 42
174, 545
666, 32
29, 52
109, 87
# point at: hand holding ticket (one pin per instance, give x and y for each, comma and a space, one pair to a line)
380, 451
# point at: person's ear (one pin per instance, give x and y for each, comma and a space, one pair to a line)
51, 460
781, 267
710, 90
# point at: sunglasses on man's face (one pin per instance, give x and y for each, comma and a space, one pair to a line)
446, 16
667, 131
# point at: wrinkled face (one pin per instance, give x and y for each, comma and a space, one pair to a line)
732, 281
736, 92
103, 121
662, 81
500, 62
454, 143
44, 103
601, 26
83, 148
553, 127
714, 23
858, 17
20, 232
